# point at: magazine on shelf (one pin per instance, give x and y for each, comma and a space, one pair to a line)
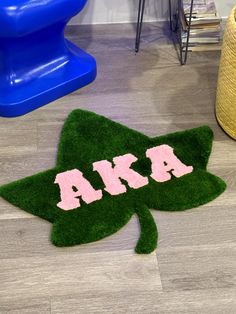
201, 40
208, 47
200, 7
204, 20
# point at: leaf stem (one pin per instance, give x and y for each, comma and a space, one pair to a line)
147, 242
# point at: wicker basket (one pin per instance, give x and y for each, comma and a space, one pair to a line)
226, 89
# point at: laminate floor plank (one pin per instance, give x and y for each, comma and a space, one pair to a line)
64, 274
201, 267
213, 301
26, 306
30, 237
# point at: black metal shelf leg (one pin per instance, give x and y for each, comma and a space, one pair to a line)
139, 24
170, 15
184, 56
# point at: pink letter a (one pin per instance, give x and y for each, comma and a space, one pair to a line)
164, 161
74, 178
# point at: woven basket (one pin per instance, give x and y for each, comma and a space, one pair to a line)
226, 89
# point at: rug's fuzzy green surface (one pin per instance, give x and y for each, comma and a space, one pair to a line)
86, 138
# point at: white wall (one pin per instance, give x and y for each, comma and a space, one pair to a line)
122, 11
225, 6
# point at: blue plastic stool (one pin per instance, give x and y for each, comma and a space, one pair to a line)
37, 64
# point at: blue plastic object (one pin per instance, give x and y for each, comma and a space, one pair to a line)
37, 64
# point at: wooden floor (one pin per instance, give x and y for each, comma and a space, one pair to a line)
194, 267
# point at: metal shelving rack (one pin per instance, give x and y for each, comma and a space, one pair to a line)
174, 18
141, 8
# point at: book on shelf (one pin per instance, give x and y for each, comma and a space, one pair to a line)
202, 32
208, 47
204, 20
205, 27
201, 40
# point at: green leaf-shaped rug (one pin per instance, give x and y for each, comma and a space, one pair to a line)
106, 172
